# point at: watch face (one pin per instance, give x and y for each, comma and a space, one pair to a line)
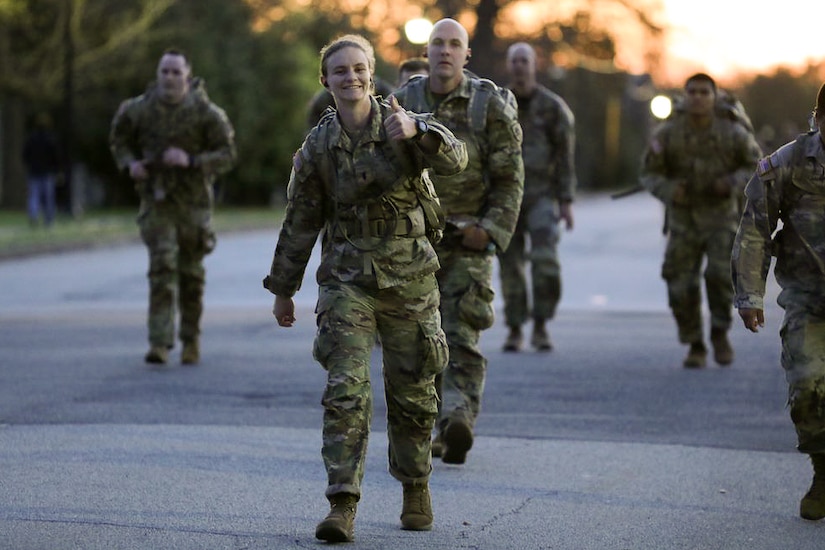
422, 127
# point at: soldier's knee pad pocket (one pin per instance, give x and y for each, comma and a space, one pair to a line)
475, 307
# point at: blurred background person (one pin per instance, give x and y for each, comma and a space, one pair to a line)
410, 67
41, 157
173, 142
548, 150
697, 164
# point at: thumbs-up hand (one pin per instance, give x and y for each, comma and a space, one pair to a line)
396, 107
398, 125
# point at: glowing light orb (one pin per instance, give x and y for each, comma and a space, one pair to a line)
418, 30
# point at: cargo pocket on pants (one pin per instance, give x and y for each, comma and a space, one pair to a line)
433, 351
476, 306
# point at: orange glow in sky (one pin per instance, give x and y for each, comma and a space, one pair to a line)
723, 37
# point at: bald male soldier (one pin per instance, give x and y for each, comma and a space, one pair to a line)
173, 142
481, 205
549, 188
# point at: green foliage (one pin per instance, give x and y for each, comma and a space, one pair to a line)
263, 80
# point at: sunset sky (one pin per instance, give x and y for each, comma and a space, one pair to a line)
725, 36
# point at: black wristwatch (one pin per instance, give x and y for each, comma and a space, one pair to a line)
421, 128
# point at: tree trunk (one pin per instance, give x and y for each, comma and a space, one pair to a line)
487, 58
12, 173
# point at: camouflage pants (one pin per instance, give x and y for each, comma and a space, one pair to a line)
682, 267
539, 223
803, 358
414, 351
177, 243
465, 281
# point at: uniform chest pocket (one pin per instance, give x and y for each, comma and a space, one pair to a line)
810, 177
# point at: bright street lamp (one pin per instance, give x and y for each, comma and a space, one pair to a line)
418, 30
661, 106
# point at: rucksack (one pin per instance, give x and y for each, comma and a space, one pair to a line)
727, 106
434, 216
483, 89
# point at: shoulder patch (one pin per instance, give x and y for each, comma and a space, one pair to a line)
764, 166
656, 146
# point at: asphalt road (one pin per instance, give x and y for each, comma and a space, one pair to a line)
604, 443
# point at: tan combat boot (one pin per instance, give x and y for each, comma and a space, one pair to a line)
191, 353
541, 340
417, 513
813, 503
513, 341
695, 358
458, 439
722, 350
157, 354
339, 526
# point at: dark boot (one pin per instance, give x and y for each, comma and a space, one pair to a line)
722, 350
417, 513
513, 341
458, 439
338, 526
157, 354
695, 359
813, 503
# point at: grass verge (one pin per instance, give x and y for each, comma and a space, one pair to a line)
108, 228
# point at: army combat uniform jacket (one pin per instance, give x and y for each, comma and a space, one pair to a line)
548, 147
362, 193
145, 126
489, 191
788, 185
679, 153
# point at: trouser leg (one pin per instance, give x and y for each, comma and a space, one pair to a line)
415, 350
343, 346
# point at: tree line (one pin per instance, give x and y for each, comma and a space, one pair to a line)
77, 59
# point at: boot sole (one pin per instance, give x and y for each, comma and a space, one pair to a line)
414, 525
457, 440
333, 533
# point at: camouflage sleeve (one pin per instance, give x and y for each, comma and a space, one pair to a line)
122, 140
752, 248
451, 157
562, 137
654, 173
748, 153
219, 154
303, 221
505, 169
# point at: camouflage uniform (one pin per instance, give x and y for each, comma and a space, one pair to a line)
703, 224
488, 192
549, 179
175, 203
376, 274
789, 185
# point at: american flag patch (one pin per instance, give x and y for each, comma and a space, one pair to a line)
764, 166
656, 146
